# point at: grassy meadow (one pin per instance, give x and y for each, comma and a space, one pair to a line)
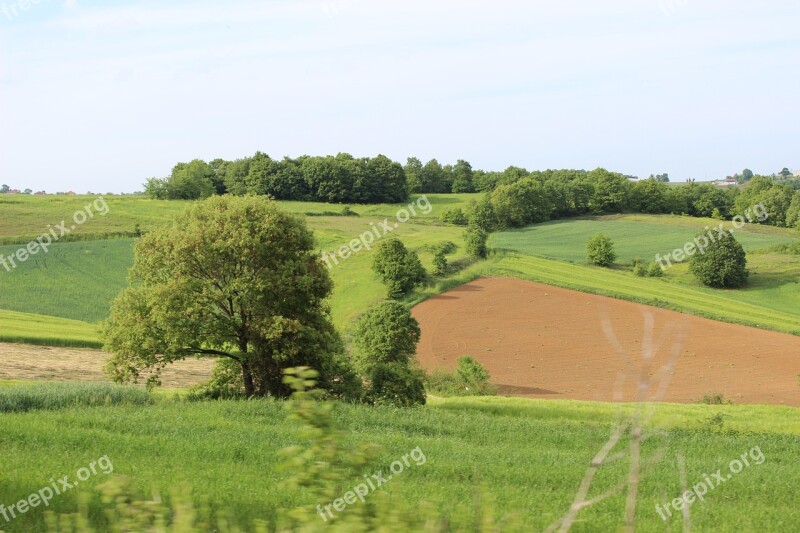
523, 459
528, 476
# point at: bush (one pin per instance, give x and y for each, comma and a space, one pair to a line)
640, 269
439, 263
470, 378
715, 398
386, 338
454, 216
655, 271
600, 250
723, 265
397, 384
475, 241
400, 269
226, 383
54, 396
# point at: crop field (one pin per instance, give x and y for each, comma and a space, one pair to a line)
635, 236
527, 476
522, 458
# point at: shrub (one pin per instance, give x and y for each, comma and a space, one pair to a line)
723, 265
470, 378
454, 216
448, 247
655, 271
640, 269
715, 398
226, 383
400, 269
386, 338
600, 250
54, 396
439, 263
475, 241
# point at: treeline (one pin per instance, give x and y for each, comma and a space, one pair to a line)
554, 194
515, 197
339, 179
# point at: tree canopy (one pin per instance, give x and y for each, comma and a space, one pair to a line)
234, 278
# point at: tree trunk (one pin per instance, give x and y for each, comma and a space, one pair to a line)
247, 376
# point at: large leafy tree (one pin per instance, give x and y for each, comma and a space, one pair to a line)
233, 278
462, 177
722, 265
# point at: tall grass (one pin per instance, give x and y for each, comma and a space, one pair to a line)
54, 396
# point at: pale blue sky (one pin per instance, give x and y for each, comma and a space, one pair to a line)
102, 95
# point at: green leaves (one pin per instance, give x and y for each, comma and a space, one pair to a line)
232, 277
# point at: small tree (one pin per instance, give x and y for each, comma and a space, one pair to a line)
439, 263
723, 265
475, 239
386, 338
600, 249
400, 269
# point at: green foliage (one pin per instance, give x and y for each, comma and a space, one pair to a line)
386, 338
396, 384
640, 269
723, 265
454, 216
226, 383
188, 181
54, 396
481, 214
470, 378
440, 267
600, 250
475, 239
462, 177
655, 271
715, 398
399, 268
232, 277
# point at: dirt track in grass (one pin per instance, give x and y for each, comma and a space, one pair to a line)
545, 342
42, 363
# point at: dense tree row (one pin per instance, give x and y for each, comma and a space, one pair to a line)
548, 195
339, 179
517, 197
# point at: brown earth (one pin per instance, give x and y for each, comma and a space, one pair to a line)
545, 342
42, 363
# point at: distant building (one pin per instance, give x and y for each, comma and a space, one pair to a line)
727, 182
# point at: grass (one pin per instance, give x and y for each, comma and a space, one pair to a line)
26, 217
43, 330
725, 305
54, 396
79, 280
634, 236
528, 455
75, 280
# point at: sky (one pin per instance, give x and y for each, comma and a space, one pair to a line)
99, 96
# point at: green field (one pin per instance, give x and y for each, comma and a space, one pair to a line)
639, 236
527, 456
78, 280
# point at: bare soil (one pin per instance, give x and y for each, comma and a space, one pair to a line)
540, 341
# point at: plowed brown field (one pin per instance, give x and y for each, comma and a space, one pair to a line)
545, 342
